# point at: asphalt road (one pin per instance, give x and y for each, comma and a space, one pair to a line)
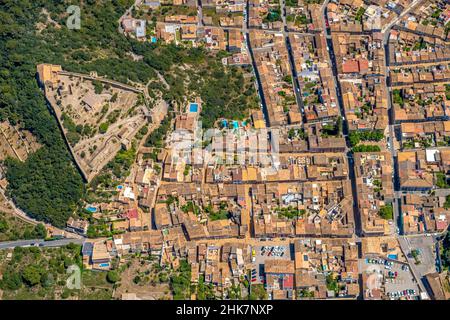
386, 32
297, 92
345, 130
39, 243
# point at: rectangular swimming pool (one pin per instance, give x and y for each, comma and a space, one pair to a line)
193, 107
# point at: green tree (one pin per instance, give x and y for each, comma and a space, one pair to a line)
181, 281
40, 231
137, 279
446, 251
441, 180
163, 277
397, 97
366, 148
447, 202
354, 138
31, 275
103, 128
332, 283
386, 212
98, 86
3, 225
65, 294
113, 276
11, 280
258, 292
47, 280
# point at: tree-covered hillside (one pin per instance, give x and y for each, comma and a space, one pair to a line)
47, 185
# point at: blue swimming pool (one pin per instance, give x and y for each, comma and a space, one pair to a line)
103, 265
91, 209
193, 107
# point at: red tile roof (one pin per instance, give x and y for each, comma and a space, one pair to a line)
288, 281
132, 213
350, 66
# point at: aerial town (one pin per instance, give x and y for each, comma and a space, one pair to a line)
331, 180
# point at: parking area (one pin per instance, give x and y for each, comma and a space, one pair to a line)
425, 258
395, 278
261, 253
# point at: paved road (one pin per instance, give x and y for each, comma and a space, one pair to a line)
297, 92
40, 243
244, 29
405, 242
345, 130
397, 196
387, 28
255, 69
391, 146
199, 13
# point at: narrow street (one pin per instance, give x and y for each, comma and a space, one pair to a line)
345, 131
404, 241
296, 84
199, 13
255, 69
391, 142
392, 139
